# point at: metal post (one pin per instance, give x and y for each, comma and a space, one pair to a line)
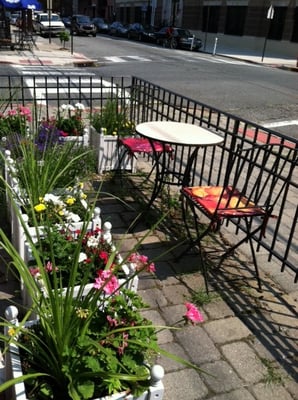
49, 9
192, 40
215, 45
270, 15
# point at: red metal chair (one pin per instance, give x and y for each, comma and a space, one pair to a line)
132, 146
254, 181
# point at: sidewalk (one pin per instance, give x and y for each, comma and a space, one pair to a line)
45, 53
248, 339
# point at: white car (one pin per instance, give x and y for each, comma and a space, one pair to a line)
45, 26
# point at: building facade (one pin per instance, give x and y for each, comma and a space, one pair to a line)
247, 21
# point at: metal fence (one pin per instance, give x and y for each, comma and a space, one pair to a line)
149, 102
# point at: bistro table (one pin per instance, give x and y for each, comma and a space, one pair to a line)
179, 135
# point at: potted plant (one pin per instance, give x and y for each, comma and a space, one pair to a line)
106, 127
82, 346
70, 121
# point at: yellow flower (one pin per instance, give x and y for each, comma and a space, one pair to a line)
41, 199
11, 332
82, 312
61, 213
70, 201
40, 208
83, 196
81, 185
114, 133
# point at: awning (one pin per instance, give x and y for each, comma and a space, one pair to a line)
21, 4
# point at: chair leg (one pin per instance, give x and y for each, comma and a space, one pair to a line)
204, 268
248, 238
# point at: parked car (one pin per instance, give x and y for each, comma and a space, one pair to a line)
45, 26
118, 29
82, 25
138, 32
101, 25
182, 38
67, 22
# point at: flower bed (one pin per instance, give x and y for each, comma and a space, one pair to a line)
13, 369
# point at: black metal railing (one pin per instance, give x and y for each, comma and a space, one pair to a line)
150, 102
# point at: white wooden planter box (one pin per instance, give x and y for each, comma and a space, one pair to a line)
107, 156
79, 140
11, 368
129, 281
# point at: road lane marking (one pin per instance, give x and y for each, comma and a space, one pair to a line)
281, 123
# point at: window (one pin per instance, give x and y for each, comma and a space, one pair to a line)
210, 19
295, 27
235, 20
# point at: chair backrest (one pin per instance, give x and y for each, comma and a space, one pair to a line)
260, 173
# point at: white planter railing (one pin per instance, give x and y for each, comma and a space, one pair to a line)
107, 153
11, 368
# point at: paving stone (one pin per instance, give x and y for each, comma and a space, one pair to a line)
146, 281
176, 294
245, 361
185, 384
194, 281
218, 309
168, 364
292, 388
226, 330
270, 392
239, 394
223, 378
153, 297
197, 344
165, 335
283, 315
165, 274
261, 350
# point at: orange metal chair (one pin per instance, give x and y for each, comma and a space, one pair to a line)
254, 181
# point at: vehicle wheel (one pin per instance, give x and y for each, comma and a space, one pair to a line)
94, 34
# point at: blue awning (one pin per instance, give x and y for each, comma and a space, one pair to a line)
21, 4
31, 5
11, 3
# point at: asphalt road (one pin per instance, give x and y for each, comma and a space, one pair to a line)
257, 93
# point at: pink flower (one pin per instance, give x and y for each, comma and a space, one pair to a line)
112, 321
151, 268
34, 271
193, 314
107, 282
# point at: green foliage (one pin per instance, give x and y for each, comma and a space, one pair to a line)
113, 119
64, 37
69, 119
58, 166
274, 375
201, 297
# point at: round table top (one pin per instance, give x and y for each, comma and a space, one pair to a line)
178, 133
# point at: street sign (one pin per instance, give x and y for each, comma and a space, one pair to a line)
270, 13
